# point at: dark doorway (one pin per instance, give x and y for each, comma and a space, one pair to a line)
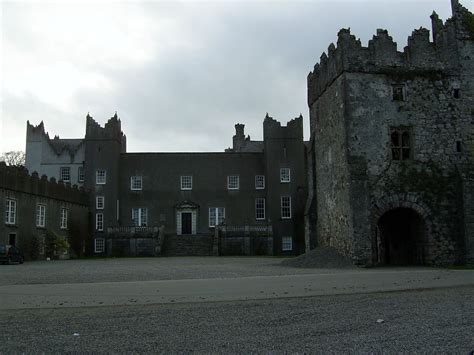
186, 223
400, 238
12, 239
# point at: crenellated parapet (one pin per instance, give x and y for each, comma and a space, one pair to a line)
58, 145
272, 129
382, 56
18, 179
112, 129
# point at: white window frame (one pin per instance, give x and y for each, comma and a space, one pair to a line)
99, 202
99, 221
65, 170
259, 182
233, 182
80, 174
99, 245
136, 183
142, 214
40, 215
285, 175
186, 182
216, 216
10, 211
259, 216
286, 243
285, 203
64, 217
101, 177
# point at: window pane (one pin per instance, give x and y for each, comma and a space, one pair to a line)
396, 154
405, 139
233, 182
406, 153
286, 243
395, 139
136, 183
259, 182
186, 182
285, 175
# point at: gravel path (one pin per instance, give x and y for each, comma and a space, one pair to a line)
436, 321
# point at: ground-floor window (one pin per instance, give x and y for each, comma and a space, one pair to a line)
63, 221
260, 208
216, 216
99, 245
40, 215
139, 216
10, 211
286, 243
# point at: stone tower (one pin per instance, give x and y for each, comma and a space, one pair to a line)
391, 163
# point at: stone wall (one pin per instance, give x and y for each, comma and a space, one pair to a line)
334, 221
29, 191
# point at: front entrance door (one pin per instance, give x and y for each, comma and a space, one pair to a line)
12, 239
186, 223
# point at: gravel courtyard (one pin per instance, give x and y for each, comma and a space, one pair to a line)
144, 269
356, 310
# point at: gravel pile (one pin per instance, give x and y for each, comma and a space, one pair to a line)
323, 257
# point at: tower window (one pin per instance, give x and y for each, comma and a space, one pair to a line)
100, 177
400, 143
285, 175
457, 93
398, 92
136, 183
458, 147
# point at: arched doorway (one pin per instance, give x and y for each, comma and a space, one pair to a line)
401, 238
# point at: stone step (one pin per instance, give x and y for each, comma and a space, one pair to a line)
188, 245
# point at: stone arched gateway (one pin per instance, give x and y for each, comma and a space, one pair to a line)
401, 230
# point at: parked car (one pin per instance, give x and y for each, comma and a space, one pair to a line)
10, 253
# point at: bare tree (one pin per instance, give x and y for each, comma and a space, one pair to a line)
14, 158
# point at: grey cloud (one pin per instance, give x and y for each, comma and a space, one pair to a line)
247, 59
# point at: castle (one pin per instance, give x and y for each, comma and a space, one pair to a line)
386, 178
175, 203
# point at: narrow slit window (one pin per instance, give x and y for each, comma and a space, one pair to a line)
398, 93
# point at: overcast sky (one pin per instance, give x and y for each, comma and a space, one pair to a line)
179, 74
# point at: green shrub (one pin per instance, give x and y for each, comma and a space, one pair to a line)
55, 244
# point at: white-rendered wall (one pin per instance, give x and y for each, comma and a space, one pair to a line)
42, 158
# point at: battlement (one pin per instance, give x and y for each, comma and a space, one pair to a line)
382, 56
58, 145
18, 179
112, 129
272, 129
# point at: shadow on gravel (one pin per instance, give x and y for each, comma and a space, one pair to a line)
321, 258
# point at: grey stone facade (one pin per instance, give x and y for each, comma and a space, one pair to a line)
64, 210
188, 194
391, 157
